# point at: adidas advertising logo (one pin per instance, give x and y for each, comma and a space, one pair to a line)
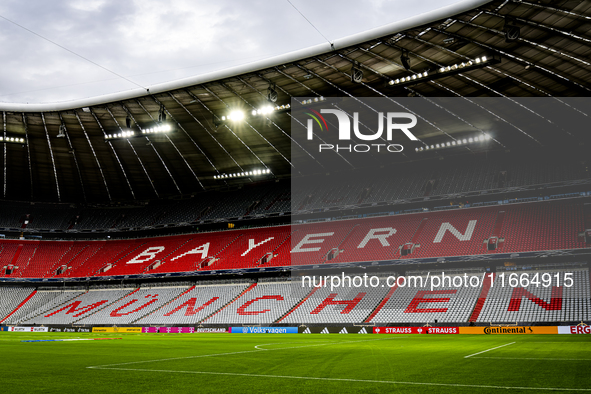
335, 330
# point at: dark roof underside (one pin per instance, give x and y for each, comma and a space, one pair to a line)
549, 59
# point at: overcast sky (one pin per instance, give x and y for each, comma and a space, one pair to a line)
150, 42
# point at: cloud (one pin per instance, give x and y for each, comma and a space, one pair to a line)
151, 41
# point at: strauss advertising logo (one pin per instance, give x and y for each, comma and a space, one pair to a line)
344, 130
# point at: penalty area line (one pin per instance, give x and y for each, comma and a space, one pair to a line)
488, 350
477, 386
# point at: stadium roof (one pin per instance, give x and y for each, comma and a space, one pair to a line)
540, 49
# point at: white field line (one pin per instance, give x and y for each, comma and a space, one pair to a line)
28, 338
241, 352
488, 350
265, 344
477, 386
281, 343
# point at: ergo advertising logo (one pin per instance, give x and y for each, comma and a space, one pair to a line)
344, 133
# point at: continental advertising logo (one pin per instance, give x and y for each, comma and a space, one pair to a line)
508, 330
388, 124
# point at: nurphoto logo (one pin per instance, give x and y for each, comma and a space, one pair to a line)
392, 124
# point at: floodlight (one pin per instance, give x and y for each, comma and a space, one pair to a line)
236, 115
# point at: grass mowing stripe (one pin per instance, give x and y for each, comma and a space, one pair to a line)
70, 339
241, 352
419, 364
476, 386
537, 359
280, 343
488, 350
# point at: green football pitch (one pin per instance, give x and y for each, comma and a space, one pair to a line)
265, 363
